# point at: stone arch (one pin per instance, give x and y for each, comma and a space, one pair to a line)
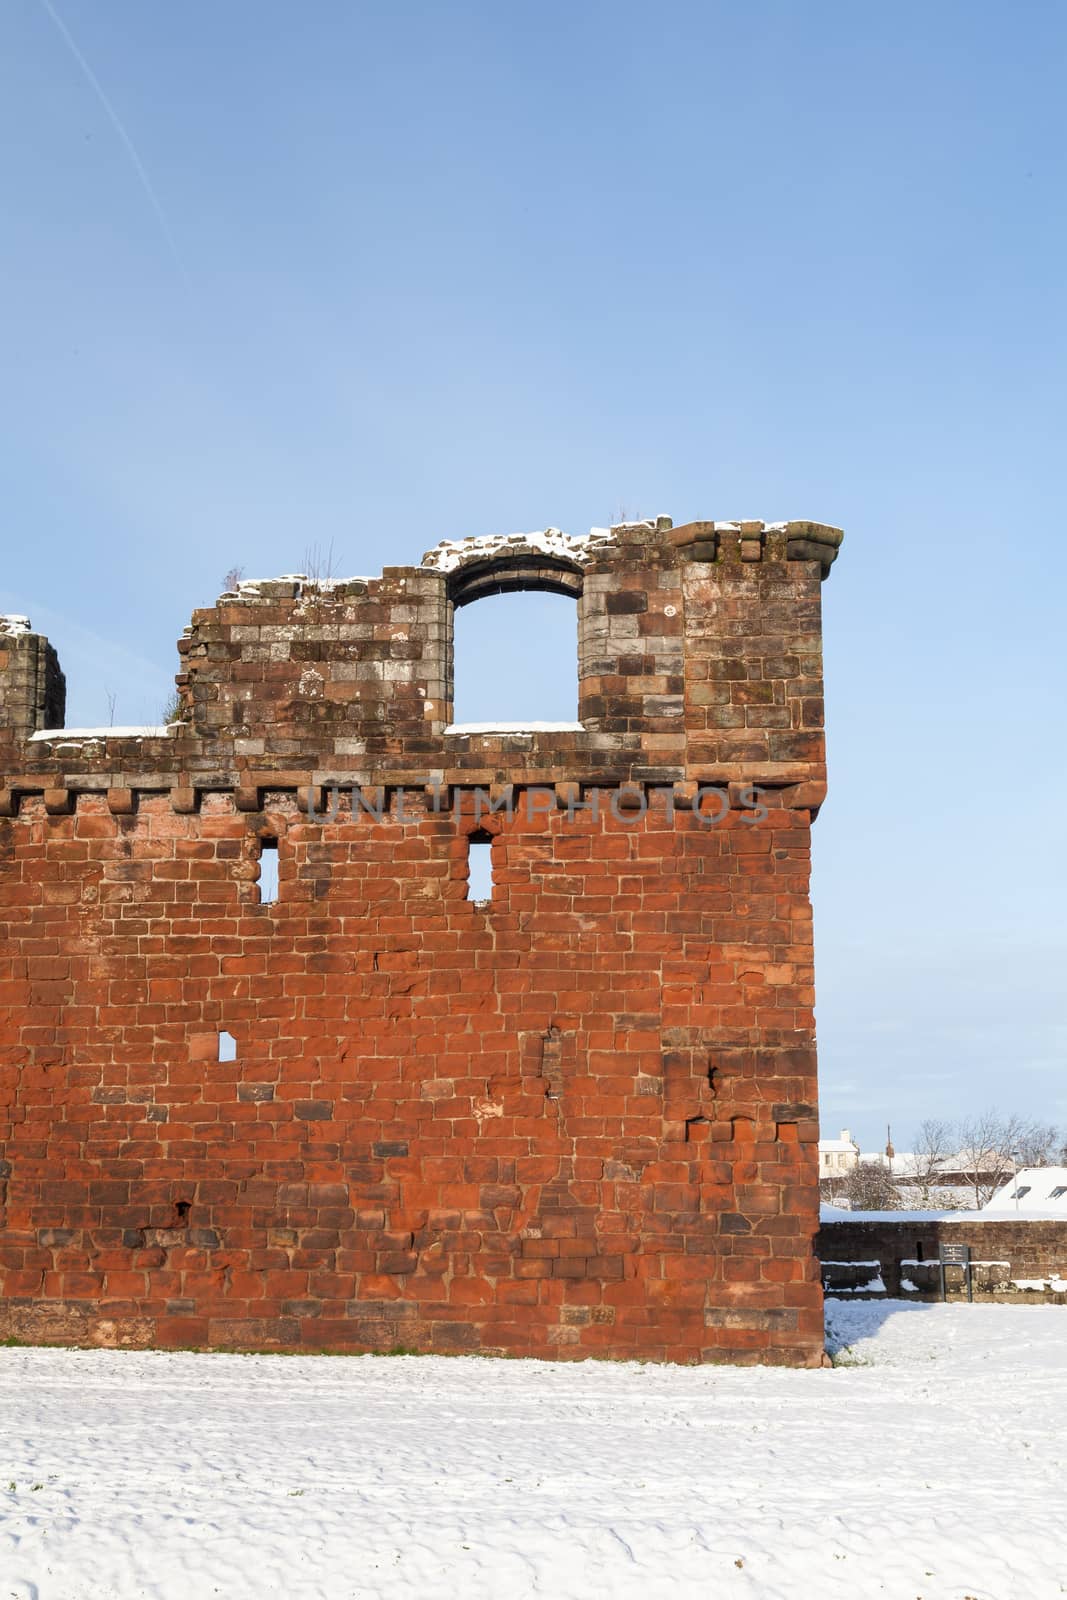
481, 572
550, 560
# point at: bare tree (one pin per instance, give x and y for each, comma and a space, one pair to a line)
934, 1144
985, 1149
990, 1151
111, 699
869, 1187
1039, 1145
232, 579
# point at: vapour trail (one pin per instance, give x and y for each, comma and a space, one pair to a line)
117, 123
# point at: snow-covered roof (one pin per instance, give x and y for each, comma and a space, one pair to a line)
906, 1164
1040, 1203
844, 1142
1032, 1191
14, 623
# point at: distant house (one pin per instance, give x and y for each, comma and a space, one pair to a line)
1031, 1191
953, 1182
838, 1156
950, 1182
959, 1181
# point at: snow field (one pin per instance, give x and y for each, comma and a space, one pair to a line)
929, 1465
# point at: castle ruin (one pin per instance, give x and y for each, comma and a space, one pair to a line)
362, 1111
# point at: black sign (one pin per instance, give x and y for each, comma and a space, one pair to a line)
955, 1255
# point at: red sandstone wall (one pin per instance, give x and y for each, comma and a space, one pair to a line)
446, 1127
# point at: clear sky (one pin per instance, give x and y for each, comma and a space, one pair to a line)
286, 275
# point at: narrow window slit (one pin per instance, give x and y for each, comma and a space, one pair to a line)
227, 1046
268, 871
480, 868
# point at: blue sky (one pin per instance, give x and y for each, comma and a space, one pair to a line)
378, 275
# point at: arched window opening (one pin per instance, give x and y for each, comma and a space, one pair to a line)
516, 661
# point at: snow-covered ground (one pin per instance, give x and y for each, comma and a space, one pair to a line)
933, 1464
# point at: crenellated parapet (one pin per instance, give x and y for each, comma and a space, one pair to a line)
726, 542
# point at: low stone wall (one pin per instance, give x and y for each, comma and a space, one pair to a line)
1013, 1259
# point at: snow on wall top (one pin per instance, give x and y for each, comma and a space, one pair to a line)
514, 727
737, 527
579, 548
13, 624
451, 554
287, 585
126, 731
831, 1213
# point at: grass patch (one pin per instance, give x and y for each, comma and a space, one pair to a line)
847, 1357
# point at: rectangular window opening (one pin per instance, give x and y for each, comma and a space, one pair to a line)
480, 868
227, 1046
268, 871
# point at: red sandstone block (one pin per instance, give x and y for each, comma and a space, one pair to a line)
516, 1293
783, 1270
576, 1248
741, 1269
557, 1227
534, 1268
571, 1268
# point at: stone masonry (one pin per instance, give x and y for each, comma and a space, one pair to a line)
576, 1119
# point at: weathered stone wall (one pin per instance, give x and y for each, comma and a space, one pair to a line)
33, 691
903, 1253
577, 1119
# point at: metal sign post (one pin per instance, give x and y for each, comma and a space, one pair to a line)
955, 1255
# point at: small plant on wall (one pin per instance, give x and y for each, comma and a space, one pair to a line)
172, 709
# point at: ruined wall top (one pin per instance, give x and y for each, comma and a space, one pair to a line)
699, 659
33, 691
